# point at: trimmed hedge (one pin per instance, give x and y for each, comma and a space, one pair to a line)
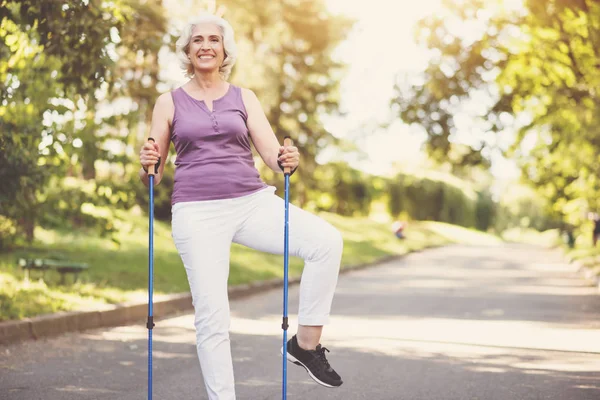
440, 199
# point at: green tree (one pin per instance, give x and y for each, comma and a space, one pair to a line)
342, 190
59, 57
287, 60
27, 83
538, 69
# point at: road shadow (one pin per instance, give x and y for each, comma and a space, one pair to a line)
90, 366
518, 283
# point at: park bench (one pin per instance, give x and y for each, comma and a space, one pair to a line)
63, 267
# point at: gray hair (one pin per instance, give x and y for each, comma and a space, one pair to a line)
183, 44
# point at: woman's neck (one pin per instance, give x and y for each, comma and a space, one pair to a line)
208, 82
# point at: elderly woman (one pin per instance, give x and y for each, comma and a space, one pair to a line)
219, 198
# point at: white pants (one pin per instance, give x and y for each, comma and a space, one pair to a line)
203, 232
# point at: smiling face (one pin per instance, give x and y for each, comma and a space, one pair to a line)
206, 51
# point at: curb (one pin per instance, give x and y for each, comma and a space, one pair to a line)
76, 321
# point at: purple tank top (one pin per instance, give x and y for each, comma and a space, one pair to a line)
214, 157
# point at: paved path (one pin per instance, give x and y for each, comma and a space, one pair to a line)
457, 323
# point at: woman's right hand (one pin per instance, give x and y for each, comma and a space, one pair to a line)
149, 154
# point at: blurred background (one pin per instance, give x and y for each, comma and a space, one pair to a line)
453, 119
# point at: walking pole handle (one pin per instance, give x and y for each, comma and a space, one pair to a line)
287, 141
150, 171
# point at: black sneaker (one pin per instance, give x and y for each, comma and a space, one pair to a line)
314, 362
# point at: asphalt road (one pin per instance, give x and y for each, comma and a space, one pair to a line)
504, 322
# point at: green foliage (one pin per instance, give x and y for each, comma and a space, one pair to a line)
62, 62
67, 205
75, 32
25, 86
485, 211
539, 68
521, 207
289, 64
78, 80
445, 198
18, 302
397, 200
431, 102
342, 190
434, 199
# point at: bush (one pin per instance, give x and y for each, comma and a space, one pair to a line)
342, 190
425, 198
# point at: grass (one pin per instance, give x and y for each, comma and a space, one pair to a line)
118, 273
587, 255
549, 238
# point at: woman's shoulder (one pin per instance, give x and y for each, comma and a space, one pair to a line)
165, 105
242, 89
248, 95
166, 99
169, 98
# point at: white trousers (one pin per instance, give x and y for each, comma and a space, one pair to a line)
203, 232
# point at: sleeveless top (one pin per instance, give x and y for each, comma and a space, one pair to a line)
214, 157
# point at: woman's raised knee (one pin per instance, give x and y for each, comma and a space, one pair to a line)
329, 244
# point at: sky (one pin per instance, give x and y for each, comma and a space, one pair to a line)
380, 48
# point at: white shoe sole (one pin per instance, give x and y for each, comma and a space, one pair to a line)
294, 360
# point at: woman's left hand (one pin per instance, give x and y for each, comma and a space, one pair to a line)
288, 157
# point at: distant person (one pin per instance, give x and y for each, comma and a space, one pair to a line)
398, 229
570, 236
596, 231
219, 198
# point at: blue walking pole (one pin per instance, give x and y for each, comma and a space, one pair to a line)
286, 233
150, 322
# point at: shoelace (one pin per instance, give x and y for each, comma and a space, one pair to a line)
321, 352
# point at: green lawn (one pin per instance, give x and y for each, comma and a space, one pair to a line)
119, 273
549, 238
586, 255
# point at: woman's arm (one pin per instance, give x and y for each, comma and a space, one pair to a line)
160, 131
264, 138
